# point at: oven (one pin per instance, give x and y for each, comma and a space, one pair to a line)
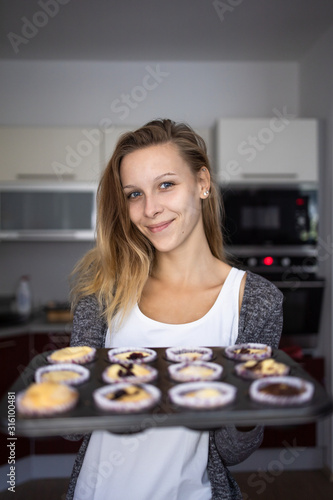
273, 231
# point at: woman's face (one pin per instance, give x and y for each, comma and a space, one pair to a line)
164, 196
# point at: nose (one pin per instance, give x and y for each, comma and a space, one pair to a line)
152, 207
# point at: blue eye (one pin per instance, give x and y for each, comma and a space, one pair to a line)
166, 185
134, 195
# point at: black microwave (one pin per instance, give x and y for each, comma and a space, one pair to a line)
270, 215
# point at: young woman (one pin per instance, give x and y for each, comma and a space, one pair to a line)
156, 278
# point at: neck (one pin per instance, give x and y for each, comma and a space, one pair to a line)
183, 268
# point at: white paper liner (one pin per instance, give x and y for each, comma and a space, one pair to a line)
242, 371
226, 396
178, 354
46, 412
306, 395
112, 355
84, 373
152, 375
125, 407
82, 360
175, 371
230, 351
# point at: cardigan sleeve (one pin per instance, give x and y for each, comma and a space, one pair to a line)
260, 321
89, 326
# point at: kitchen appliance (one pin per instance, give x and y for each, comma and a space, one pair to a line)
47, 211
273, 231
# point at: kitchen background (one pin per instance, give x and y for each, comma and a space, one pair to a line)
196, 62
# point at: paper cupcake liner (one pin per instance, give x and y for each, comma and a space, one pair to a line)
178, 396
242, 371
149, 377
283, 400
175, 371
49, 411
84, 373
112, 355
178, 354
82, 360
104, 403
230, 352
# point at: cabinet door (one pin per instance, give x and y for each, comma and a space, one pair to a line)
15, 352
50, 153
267, 150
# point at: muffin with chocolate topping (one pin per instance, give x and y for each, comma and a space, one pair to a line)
126, 397
244, 352
129, 372
281, 391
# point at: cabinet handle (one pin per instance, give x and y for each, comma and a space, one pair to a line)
7, 343
270, 176
44, 177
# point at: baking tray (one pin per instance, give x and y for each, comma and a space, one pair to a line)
86, 417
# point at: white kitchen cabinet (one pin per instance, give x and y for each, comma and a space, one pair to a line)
48, 153
272, 150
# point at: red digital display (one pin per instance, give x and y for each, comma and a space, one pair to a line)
268, 261
300, 202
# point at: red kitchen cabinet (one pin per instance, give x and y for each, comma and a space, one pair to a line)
15, 356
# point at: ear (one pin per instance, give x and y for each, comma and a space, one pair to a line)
204, 182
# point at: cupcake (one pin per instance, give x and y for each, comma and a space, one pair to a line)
78, 354
126, 397
131, 354
202, 395
46, 399
243, 352
281, 391
253, 369
195, 371
65, 373
183, 354
129, 372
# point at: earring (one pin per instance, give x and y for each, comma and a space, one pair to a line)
206, 193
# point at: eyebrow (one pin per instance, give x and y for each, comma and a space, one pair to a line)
159, 177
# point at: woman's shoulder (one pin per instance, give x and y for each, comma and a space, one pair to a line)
258, 288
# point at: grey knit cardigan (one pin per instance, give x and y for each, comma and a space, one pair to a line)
260, 321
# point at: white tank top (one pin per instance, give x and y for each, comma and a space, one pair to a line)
164, 463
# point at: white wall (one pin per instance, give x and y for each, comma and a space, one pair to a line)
81, 93
94, 93
316, 99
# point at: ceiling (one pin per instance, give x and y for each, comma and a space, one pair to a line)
160, 30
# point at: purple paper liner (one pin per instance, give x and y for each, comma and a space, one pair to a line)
83, 372
178, 396
230, 351
112, 355
104, 403
82, 360
176, 374
178, 354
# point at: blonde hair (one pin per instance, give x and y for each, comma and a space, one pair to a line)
116, 270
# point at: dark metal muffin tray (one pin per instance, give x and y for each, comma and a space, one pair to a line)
86, 417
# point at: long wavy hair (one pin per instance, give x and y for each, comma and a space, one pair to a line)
116, 270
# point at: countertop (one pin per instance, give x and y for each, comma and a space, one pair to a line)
37, 324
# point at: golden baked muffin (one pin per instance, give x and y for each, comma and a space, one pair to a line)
46, 398
78, 354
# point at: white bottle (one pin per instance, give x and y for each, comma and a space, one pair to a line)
23, 297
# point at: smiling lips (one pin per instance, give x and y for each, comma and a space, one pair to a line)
156, 228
